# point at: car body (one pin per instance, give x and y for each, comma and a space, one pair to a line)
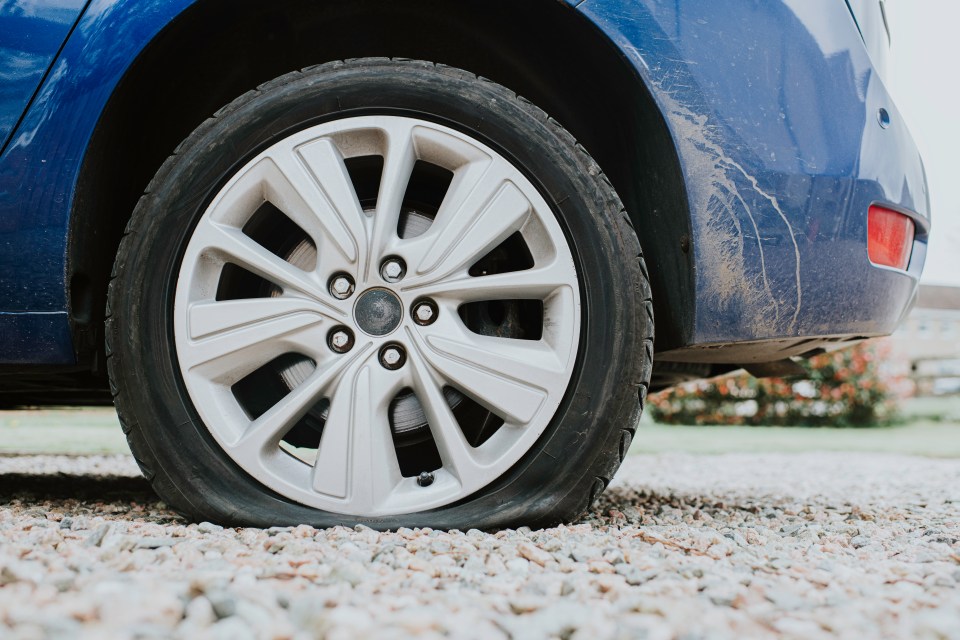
737, 171
774, 152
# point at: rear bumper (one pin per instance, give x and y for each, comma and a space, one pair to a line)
773, 108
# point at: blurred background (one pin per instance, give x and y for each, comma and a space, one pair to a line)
899, 394
924, 49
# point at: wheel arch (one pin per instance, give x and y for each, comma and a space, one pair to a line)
542, 49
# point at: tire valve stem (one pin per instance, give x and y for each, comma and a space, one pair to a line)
425, 479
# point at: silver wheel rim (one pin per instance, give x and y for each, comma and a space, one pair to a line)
222, 341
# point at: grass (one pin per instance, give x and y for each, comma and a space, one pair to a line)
945, 409
931, 427
71, 431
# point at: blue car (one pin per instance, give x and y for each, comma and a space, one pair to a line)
399, 263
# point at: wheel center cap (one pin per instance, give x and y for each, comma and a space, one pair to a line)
378, 312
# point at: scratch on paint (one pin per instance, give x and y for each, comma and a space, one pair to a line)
715, 186
793, 239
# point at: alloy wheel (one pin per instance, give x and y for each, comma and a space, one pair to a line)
377, 315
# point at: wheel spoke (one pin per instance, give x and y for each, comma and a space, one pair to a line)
455, 451
499, 373
207, 318
473, 219
263, 435
537, 283
398, 162
239, 248
317, 171
356, 457
234, 338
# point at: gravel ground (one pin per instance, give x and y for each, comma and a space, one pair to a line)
730, 546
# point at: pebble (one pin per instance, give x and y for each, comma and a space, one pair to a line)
534, 554
96, 538
760, 545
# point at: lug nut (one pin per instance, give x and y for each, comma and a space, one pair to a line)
340, 339
425, 312
393, 270
425, 479
341, 286
392, 356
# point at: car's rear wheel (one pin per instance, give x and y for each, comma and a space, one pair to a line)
383, 292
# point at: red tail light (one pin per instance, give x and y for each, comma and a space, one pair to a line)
889, 237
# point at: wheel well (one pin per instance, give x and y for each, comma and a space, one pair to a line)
541, 49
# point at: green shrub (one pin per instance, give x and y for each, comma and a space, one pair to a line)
846, 388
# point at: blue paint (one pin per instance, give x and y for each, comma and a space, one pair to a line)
31, 33
40, 165
35, 338
772, 106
